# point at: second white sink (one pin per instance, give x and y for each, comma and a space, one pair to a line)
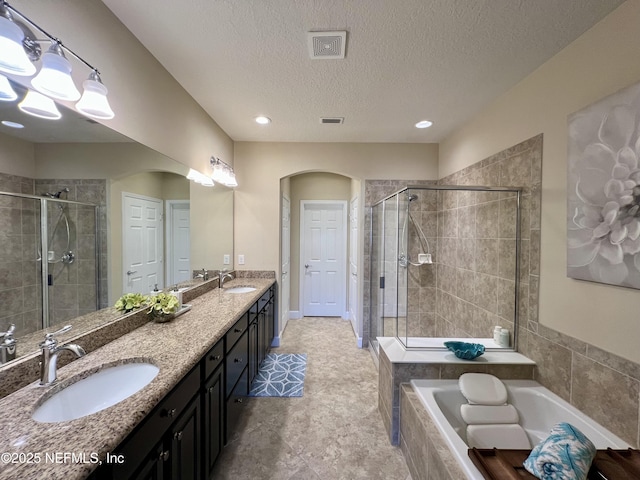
98, 391
239, 289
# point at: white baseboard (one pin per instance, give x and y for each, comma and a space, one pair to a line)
294, 314
346, 316
275, 342
359, 342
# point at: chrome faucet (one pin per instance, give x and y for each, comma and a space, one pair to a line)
49, 358
8, 345
204, 274
222, 276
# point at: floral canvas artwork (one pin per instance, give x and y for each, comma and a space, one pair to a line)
603, 196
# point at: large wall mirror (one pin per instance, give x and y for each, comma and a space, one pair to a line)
88, 203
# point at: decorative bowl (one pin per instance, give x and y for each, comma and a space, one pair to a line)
464, 350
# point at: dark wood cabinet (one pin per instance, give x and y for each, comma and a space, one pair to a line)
213, 415
184, 434
183, 441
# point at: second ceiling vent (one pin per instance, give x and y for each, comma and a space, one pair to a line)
332, 120
327, 45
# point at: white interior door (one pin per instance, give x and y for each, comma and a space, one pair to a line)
353, 265
285, 290
323, 246
178, 242
142, 243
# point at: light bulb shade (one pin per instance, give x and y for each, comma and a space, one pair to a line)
13, 58
7, 93
94, 101
218, 173
232, 182
38, 105
54, 78
206, 182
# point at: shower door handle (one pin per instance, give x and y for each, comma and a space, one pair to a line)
131, 272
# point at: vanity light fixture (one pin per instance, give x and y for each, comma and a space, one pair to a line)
40, 106
7, 93
19, 49
223, 173
262, 120
424, 124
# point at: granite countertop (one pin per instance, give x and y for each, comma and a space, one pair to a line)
37, 450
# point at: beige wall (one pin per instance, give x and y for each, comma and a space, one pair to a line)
600, 62
211, 226
150, 106
311, 186
17, 157
260, 166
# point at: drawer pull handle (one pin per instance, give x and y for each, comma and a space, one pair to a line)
238, 400
178, 436
237, 360
210, 389
171, 412
164, 456
214, 357
237, 330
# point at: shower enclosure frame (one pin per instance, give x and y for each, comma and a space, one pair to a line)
44, 244
374, 283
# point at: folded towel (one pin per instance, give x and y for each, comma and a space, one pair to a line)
566, 454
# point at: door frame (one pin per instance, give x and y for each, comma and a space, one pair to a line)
168, 244
343, 204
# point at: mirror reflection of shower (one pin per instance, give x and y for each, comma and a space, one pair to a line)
424, 257
60, 239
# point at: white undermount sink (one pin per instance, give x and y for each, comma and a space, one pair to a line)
98, 391
240, 289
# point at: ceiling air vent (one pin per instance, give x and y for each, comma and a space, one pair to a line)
332, 120
326, 45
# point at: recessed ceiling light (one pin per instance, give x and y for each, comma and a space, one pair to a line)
424, 124
263, 120
8, 123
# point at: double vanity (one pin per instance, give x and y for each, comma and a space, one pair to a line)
176, 390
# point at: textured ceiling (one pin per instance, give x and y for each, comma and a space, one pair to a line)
407, 60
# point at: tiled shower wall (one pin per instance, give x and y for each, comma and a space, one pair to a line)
73, 290
477, 244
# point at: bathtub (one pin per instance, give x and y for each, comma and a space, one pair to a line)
538, 407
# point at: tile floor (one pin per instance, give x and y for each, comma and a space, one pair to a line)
333, 432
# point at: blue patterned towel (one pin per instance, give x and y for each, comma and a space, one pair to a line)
566, 454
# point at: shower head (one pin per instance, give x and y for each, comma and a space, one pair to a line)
412, 196
57, 194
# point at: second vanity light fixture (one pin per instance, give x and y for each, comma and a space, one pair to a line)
223, 173
19, 49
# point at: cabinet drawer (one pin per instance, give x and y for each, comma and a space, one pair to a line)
153, 427
236, 331
262, 301
235, 362
235, 404
213, 358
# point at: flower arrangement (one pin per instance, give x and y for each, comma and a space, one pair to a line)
131, 301
162, 306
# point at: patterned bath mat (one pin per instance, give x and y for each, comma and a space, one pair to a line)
280, 375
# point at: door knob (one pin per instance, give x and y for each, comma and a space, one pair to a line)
131, 272
306, 265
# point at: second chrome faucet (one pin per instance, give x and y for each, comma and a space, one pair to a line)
49, 355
